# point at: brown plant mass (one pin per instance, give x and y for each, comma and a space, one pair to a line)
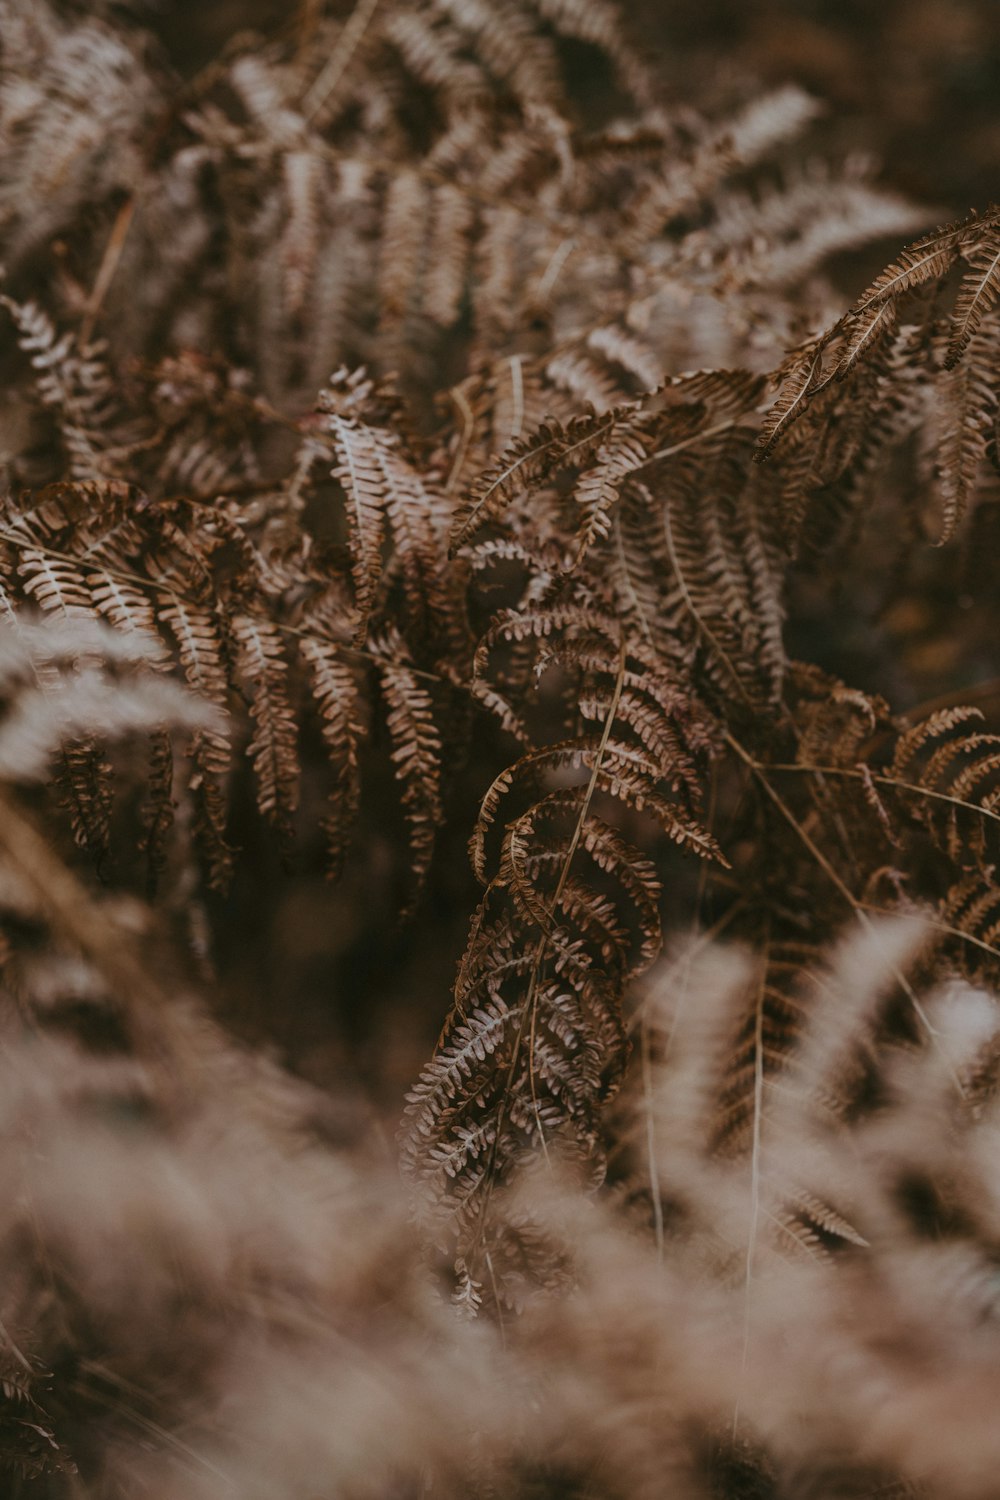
448, 517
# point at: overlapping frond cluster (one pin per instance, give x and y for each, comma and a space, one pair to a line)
855, 812
654, 504
655, 498
542, 312
535, 1043
421, 178
899, 361
200, 549
408, 187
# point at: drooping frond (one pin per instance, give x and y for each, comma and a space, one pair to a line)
76, 386
335, 689
358, 471
200, 651
800, 378
263, 670
600, 486
926, 260
977, 293
390, 503
883, 359
416, 754
964, 422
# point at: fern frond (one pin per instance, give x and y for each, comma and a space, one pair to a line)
336, 692
967, 413
960, 770
507, 43
769, 1027
599, 488
75, 383
197, 641
359, 473
920, 735
865, 332
527, 462
58, 586
800, 379
976, 294
128, 609
619, 346
416, 755
780, 115
927, 259
452, 224
971, 910
586, 382
403, 237
263, 669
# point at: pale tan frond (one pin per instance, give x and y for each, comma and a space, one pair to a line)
402, 251
452, 223
600, 486
57, 585
128, 608
359, 473
779, 115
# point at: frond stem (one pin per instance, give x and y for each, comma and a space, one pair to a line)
883, 780
322, 89
856, 906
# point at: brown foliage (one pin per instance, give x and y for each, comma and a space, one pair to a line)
454, 439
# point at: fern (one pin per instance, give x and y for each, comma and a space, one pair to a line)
263, 667
404, 407
514, 1074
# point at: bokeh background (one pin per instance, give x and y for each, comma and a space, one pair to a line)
916, 83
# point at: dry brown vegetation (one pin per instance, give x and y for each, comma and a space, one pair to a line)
449, 517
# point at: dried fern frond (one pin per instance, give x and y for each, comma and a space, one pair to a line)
978, 291
534, 1044
526, 462
264, 670
864, 350
76, 100
416, 753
